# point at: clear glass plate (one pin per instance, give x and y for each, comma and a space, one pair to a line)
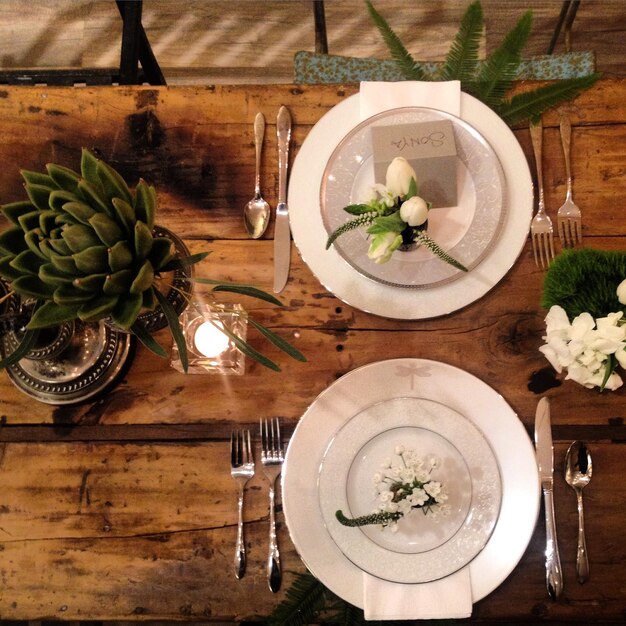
424, 547
466, 231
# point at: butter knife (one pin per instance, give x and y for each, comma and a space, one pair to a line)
545, 462
282, 237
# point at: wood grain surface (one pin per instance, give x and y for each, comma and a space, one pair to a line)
122, 508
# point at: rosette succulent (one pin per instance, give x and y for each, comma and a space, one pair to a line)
83, 245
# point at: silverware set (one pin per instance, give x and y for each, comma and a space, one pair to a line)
569, 218
242, 469
578, 471
256, 213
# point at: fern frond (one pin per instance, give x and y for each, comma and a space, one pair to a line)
436, 249
532, 104
357, 222
406, 63
304, 599
500, 69
462, 59
365, 520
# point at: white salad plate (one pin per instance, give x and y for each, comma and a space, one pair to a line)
389, 300
465, 230
421, 548
431, 381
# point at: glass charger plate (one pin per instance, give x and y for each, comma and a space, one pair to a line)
423, 547
466, 230
434, 381
342, 280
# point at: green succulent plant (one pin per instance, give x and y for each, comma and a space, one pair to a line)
82, 247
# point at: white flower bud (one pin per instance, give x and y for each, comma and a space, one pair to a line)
399, 175
414, 211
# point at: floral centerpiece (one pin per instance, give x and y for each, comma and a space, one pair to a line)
395, 216
585, 292
402, 486
83, 247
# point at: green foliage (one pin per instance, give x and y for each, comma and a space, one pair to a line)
367, 520
489, 80
303, 602
436, 249
357, 222
584, 279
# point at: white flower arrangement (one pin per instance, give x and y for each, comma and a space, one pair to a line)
588, 349
402, 486
395, 216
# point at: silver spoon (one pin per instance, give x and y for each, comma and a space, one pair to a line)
256, 214
578, 469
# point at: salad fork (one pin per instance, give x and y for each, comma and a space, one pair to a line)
568, 217
541, 229
242, 470
272, 458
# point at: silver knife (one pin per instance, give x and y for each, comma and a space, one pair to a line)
545, 462
282, 237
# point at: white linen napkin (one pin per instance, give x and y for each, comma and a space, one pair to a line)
377, 96
450, 597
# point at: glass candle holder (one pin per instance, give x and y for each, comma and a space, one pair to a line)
211, 351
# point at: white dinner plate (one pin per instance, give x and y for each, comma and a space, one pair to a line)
417, 378
421, 548
369, 295
465, 230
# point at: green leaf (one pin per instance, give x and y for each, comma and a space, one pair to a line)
24, 347
161, 252
120, 256
124, 214
412, 191
500, 69
79, 237
359, 209
118, 282
98, 308
244, 290
113, 184
32, 239
175, 329
107, 230
64, 177
278, 341
462, 58
127, 309
39, 195
93, 260
143, 240
609, 368
406, 63
12, 240
52, 314
64, 263
145, 205
7, 271
144, 279
38, 178
79, 211
184, 261
434, 247
532, 104
387, 224
248, 350
89, 168
71, 296
139, 330
52, 276
29, 221
26, 262
47, 221
61, 197
93, 283
13, 210
93, 196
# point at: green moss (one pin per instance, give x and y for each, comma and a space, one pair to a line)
585, 279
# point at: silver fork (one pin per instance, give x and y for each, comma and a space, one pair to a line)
569, 218
272, 458
242, 470
541, 229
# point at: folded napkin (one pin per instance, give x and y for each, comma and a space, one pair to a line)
450, 598
375, 97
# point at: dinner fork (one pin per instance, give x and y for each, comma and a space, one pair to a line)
568, 217
242, 470
272, 458
541, 229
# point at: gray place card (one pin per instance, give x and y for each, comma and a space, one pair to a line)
430, 148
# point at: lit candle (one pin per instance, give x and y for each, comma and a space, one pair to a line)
210, 340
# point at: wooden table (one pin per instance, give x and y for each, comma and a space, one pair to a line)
123, 508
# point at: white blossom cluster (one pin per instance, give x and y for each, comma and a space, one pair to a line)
586, 347
406, 485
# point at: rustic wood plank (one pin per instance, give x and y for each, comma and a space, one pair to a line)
147, 532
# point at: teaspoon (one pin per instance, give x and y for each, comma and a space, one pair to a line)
256, 213
578, 469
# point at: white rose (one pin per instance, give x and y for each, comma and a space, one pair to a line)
414, 211
399, 175
383, 246
621, 292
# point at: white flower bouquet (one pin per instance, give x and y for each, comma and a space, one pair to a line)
402, 487
395, 217
585, 292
